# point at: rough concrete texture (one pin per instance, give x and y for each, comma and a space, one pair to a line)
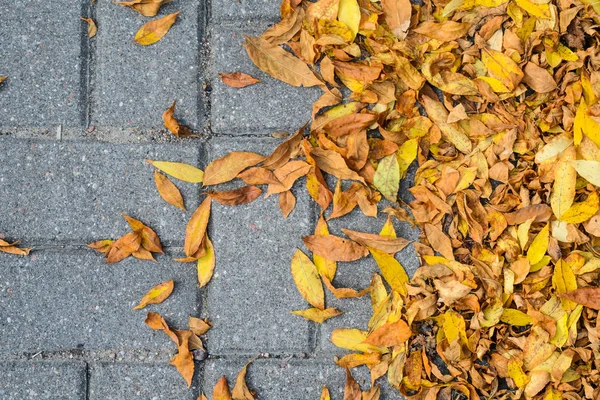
292, 379
42, 380
252, 292
41, 54
62, 300
138, 381
76, 192
135, 84
246, 10
236, 111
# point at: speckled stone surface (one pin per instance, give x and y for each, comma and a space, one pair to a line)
75, 192
42, 380
138, 381
40, 51
61, 300
135, 84
267, 106
239, 11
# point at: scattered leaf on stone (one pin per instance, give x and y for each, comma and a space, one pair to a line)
236, 197
316, 315
148, 8
173, 125
10, 248
92, 28
199, 326
168, 191
237, 79
307, 280
228, 167
206, 262
156, 295
151, 32
181, 171
221, 390
196, 228
335, 248
3, 78
240, 389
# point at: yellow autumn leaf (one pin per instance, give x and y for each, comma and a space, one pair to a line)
387, 177
515, 317
206, 263
541, 10
539, 246
406, 154
156, 295
181, 171
151, 32
392, 270
92, 28
326, 268
502, 67
353, 339
307, 280
584, 124
589, 170
582, 211
316, 315
349, 14
564, 281
565, 180
515, 371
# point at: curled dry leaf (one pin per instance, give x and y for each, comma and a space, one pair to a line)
173, 125
240, 389
3, 78
237, 79
316, 315
334, 247
397, 15
236, 197
92, 28
181, 171
206, 263
157, 294
198, 326
387, 244
168, 191
228, 167
221, 390
196, 228
151, 32
148, 8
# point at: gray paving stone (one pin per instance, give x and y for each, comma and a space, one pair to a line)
252, 293
135, 84
58, 300
290, 380
55, 380
243, 10
41, 54
262, 108
358, 274
138, 382
76, 192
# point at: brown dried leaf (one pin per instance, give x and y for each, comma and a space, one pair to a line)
173, 125
151, 32
124, 247
92, 28
237, 79
196, 228
589, 297
168, 191
221, 390
236, 197
397, 15
390, 245
228, 167
199, 326
335, 248
157, 294
148, 8
538, 78
287, 202
241, 390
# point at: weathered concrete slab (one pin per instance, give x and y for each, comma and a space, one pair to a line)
41, 54
76, 192
38, 380
61, 300
267, 106
290, 380
252, 293
241, 11
133, 84
138, 381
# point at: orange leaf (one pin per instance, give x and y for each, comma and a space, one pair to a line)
123, 247
151, 32
196, 228
221, 390
148, 8
172, 125
198, 326
390, 245
156, 295
92, 29
287, 203
168, 191
390, 334
238, 79
184, 360
240, 390
243, 195
226, 168
335, 248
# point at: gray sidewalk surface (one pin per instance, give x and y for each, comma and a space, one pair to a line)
78, 117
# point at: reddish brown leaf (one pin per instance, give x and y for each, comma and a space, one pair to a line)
335, 248
237, 79
236, 197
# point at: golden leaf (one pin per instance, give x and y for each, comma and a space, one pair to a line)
181, 171
156, 295
237, 79
151, 32
228, 167
92, 28
307, 280
316, 315
168, 191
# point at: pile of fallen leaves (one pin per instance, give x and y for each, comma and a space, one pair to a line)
496, 101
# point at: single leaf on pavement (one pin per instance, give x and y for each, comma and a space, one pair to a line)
92, 28
228, 167
196, 228
240, 389
173, 125
335, 248
168, 191
279, 63
206, 263
182, 171
10, 248
3, 78
151, 32
156, 295
148, 8
325, 394
221, 390
307, 280
237, 79
236, 197
316, 315
351, 389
